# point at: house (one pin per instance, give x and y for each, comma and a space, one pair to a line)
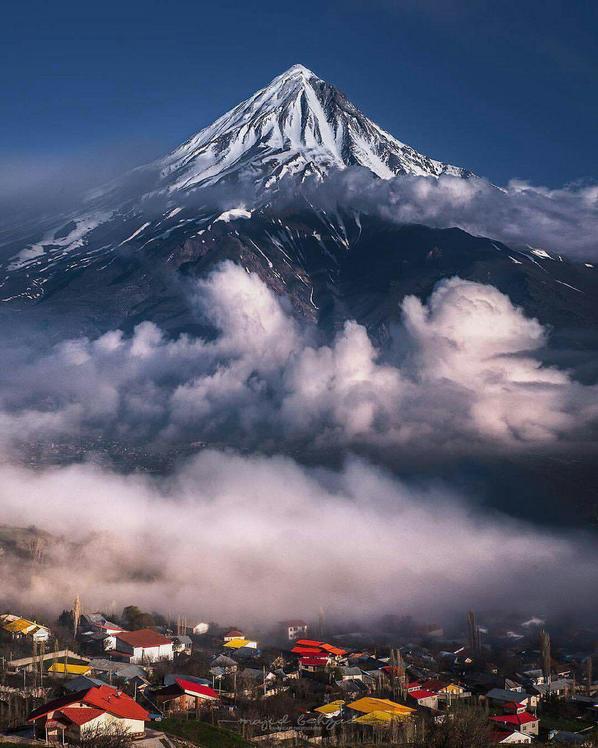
142, 646
351, 673
98, 624
293, 629
184, 695
313, 663
227, 664
446, 691
422, 697
521, 721
333, 709
182, 644
78, 716
559, 687
239, 642
501, 696
509, 737
233, 634
21, 627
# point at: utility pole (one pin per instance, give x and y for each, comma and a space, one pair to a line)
589, 676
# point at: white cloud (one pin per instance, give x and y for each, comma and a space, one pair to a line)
463, 373
252, 539
563, 220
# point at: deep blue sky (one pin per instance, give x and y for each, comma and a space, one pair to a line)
507, 89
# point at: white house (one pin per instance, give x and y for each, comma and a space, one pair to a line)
140, 647
99, 709
293, 629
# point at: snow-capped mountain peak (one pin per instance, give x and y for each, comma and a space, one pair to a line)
298, 124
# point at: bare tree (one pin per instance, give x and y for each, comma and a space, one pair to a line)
465, 727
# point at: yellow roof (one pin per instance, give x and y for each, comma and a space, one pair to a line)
331, 708
375, 718
61, 667
21, 625
237, 643
370, 704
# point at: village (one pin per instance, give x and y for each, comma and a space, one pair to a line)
89, 678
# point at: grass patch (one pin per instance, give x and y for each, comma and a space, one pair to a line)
200, 733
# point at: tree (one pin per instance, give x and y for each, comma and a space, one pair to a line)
465, 727
134, 618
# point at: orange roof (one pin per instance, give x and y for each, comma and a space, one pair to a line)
333, 650
308, 643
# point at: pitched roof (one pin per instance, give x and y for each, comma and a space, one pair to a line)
313, 661
332, 708
79, 715
308, 651
374, 718
421, 693
142, 638
334, 650
370, 704
115, 702
105, 698
237, 643
196, 689
515, 719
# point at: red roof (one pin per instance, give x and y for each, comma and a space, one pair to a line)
433, 684
79, 715
309, 643
115, 702
104, 698
313, 661
421, 693
196, 689
235, 633
515, 719
142, 638
308, 651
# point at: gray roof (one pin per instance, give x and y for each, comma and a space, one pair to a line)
501, 694
81, 682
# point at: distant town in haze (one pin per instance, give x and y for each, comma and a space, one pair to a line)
89, 677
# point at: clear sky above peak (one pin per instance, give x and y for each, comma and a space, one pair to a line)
505, 89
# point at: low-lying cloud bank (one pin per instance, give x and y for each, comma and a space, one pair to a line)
250, 539
462, 376
563, 220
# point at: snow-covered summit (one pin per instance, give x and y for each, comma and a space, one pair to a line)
298, 124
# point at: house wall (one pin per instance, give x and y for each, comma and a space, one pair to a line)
151, 654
